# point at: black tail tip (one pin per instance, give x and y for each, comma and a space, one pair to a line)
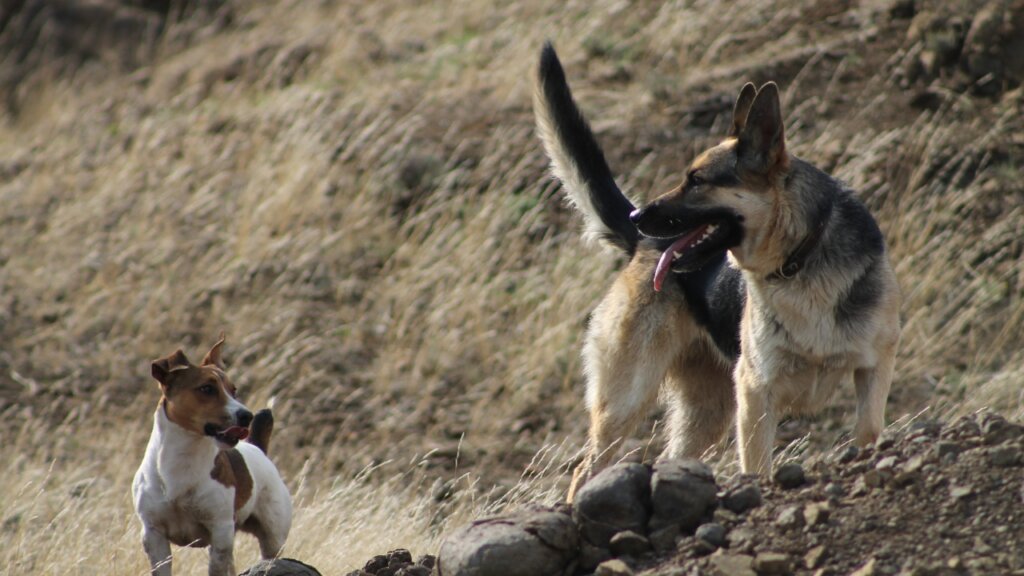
549, 63
261, 428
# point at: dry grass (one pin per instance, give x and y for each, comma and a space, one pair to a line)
374, 230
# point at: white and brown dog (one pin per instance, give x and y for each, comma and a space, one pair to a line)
198, 483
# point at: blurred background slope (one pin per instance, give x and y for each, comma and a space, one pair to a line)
353, 192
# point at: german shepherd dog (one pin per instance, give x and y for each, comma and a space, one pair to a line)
754, 287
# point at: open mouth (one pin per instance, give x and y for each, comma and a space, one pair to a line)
231, 435
691, 250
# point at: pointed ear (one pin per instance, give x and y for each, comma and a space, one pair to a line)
213, 356
163, 367
762, 142
739, 112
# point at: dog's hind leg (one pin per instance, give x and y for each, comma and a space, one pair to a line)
630, 344
701, 403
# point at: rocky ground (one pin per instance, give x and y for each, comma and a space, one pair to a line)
930, 499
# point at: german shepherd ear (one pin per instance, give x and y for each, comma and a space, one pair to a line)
739, 112
762, 141
163, 367
213, 356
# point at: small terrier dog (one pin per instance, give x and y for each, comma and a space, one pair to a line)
198, 483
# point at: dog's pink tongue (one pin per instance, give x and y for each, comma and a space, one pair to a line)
664, 265
236, 433
665, 262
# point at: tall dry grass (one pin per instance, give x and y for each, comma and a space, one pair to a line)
354, 193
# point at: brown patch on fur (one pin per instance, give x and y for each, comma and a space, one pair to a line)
230, 470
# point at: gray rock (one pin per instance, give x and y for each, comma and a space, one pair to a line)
535, 542
712, 533
683, 492
613, 568
946, 451
846, 455
814, 557
743, 497
834, 490
666, 539
771, 563
629, 543
281, 567
817, 513
413, 570
741, 538
790, 475
590, 556
1005, 456
616, 499
791, 517
732, 565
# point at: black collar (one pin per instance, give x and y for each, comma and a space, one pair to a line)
798, 258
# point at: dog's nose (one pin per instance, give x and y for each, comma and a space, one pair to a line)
635, 215
244, 418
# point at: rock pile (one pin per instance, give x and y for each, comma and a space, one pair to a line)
930, 499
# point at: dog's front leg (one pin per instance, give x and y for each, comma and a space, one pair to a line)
755, 419
872, 386
158, 549
222, 549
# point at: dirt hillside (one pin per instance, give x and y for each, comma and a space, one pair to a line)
354, 193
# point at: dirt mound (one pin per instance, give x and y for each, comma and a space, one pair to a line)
926, 500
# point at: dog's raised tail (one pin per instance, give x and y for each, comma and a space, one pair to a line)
260, 429
577, 159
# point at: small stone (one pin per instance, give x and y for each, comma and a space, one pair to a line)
833, 490
771, 563
814, 557
712, 533
868, 569
885, 441
413, 570
428, 560
666, 539
817, 513
613, 568
741, 538
629, 543
1005, 456
790, 475
726, 516
743, 497
873, 478
848, 454
887, 463
946, 451
590, 556
399, 556
732, 565
790, 517
960, 492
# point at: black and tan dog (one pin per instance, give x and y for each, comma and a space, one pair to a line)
754, 287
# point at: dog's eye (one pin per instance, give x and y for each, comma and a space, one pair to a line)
208, 389
694, 180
